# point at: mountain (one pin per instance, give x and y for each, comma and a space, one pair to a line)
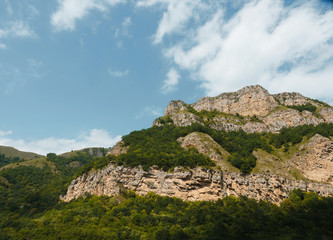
146, 186
245, 143
251, 109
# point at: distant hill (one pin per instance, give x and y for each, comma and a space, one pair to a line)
13, 152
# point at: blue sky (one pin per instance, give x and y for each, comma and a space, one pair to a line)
80, 73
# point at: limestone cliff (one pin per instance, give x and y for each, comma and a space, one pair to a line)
251, 109
251, 100
315, 159
272, 179
189, 185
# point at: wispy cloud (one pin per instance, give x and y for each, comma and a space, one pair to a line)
70, 11
281, 46
12, 77
5, 133
117, 73
14, 29
150, 111
171, 82
92, 138
123, 31
176, 16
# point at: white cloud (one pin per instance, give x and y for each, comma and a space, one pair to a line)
127, 22
171, 82
123, 31
16, 29
5, 133
282, 47
176, 16
69, 11
117, 73
93, 138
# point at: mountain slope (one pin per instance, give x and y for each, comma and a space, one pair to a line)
245, 129
12, 152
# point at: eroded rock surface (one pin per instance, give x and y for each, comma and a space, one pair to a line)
251, 100
189, 185
206, 145
118, 149
237, 110
315, 159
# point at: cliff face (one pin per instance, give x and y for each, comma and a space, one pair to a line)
315, 159
189, 185
251, 100
236, 110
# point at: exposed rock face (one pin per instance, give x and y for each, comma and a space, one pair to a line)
118, 149
206, 145
174, 107
272, 111
292, 98
185, 119
316, 159
289, 118
189, 185
327, 114
251, 100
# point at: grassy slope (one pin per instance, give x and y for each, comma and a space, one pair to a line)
12, 152
38, 162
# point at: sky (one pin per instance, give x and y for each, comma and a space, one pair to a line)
83, 73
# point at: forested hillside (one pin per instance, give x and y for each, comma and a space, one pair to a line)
30, 206
128, 216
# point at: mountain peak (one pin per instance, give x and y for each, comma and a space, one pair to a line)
251, 109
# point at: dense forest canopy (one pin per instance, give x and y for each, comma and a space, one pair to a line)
128, 216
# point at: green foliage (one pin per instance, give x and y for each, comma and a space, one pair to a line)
302, 216
309, 107
295, 135
321, 103
165, 120
159, 146
7, 160
29, 190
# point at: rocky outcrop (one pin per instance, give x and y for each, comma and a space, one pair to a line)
327, 114
289, 118
188, 185
118, 149
251, 100
175, 106
315, 159
292, 98
206, 145
235, 111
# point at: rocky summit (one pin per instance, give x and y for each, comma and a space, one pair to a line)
251, 109
306, 164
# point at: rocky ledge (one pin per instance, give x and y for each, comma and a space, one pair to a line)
189, 185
